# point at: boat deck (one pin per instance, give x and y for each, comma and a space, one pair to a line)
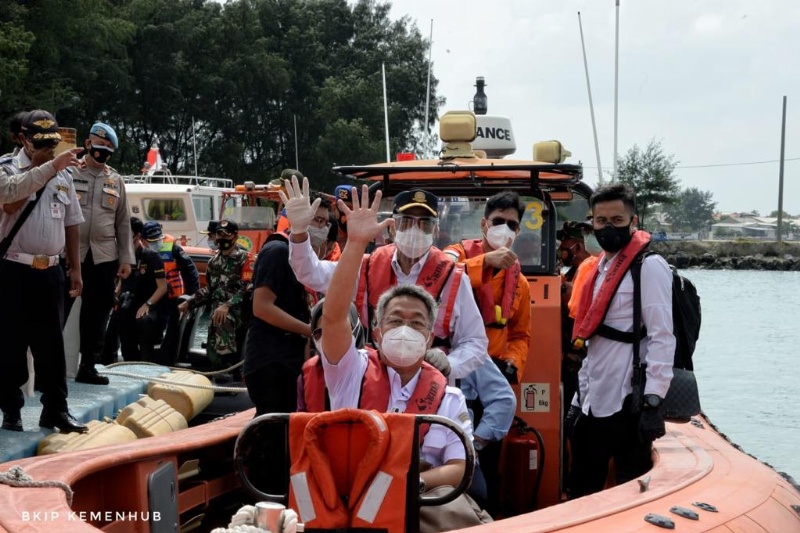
86, 402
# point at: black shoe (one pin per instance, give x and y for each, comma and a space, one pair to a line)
88, 374
65, 422
12, 421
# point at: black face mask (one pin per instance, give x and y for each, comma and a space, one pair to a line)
100, 153
225, 244
613, 239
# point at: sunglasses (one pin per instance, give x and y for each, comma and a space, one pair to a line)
513, 225
40, 145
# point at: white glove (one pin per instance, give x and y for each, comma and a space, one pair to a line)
299, 210
244, 516
438, 358
289, 519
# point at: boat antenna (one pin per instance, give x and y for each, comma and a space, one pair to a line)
296, 153
386, 113
194, 146
428, 95
591, 105
780, 173
616, 92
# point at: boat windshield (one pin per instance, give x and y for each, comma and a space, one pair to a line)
251, 214
460, 218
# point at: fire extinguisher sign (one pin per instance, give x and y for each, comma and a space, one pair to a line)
535, 397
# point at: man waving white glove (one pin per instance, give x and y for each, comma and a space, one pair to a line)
299, 210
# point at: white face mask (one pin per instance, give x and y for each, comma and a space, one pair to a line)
403, 346
155, 245
591, 245
318, 235
499, 236
414, 242
212, 245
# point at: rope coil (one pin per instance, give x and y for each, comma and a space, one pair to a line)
16, 477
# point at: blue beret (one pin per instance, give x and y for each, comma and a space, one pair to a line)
104, 131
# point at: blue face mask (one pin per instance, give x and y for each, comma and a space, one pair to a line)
591, 245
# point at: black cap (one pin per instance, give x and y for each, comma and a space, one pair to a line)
573, 229
213, 226
152, 231
39, 125
416, 198
227, 226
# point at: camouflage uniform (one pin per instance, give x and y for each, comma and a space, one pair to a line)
227, 279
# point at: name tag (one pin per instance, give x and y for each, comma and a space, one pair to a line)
55, 209
110, 190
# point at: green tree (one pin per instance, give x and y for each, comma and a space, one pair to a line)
774, 214
650, 172
693, 210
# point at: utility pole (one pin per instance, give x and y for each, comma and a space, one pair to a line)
780, 174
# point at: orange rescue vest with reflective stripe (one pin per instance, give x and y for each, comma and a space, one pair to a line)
592, 308
375, 387
174, 280
439, 276
493, 313
349, 469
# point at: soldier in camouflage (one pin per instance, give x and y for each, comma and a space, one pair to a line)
228, 275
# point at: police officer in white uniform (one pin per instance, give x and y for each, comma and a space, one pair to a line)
106, 249
31, 281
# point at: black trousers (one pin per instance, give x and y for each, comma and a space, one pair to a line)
596, 440
97, 300
168, 353
273, 388
138, 336
31, 316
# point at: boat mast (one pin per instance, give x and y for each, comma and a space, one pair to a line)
386, 113
616, 91
780, 173
428, 95
591, 105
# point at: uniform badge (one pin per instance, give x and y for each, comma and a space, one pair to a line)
419, 197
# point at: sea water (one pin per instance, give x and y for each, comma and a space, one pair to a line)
747, 358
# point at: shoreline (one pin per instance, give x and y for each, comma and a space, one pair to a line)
731, 255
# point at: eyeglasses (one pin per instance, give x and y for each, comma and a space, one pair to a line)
320, 222
513, 225
406, 222
395, 322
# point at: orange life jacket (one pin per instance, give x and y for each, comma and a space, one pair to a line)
592, 309
174, 279
375, 387
494, 313
439, 276
349, 469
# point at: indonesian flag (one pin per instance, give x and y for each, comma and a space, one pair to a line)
154, 161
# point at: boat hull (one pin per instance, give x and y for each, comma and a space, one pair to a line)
692, 463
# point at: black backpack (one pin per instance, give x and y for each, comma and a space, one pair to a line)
686, 315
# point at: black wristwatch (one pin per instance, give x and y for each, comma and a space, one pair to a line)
149, 303
422, 486
652, 401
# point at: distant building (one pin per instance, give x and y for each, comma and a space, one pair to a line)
748, 225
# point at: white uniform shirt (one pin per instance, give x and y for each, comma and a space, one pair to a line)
440, 445
469, 344
605, 376
42, 233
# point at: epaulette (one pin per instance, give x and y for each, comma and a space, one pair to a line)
109, 169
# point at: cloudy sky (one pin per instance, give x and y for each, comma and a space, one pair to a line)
706, 78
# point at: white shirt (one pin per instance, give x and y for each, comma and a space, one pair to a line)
469, 344
42, 233
440, 445
605, 376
